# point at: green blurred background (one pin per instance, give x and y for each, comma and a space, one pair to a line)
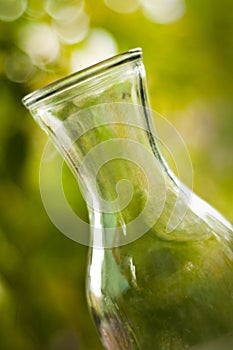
188, 54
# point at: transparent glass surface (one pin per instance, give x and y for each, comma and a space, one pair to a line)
148, 287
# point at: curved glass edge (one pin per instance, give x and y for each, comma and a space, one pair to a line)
79, 76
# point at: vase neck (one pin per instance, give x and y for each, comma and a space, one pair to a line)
104, 128
105, 120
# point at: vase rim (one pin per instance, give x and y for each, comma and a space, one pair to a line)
79, 76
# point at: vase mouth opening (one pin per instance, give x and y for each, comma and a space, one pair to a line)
78, 77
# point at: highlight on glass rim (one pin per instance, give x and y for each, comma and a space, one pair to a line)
116, 211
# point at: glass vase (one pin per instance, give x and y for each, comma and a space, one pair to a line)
160, 270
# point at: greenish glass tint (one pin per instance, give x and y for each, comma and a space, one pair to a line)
164, 290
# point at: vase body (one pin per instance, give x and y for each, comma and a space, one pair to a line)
158, 278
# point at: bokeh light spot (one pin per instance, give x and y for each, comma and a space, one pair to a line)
64, 10
18, 67
123, 6
99, 45
10, 10
40, 42
73, 31
36, 8
163, 11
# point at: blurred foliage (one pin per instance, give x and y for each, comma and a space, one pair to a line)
188, 54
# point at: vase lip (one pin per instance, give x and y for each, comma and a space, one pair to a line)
79, 76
